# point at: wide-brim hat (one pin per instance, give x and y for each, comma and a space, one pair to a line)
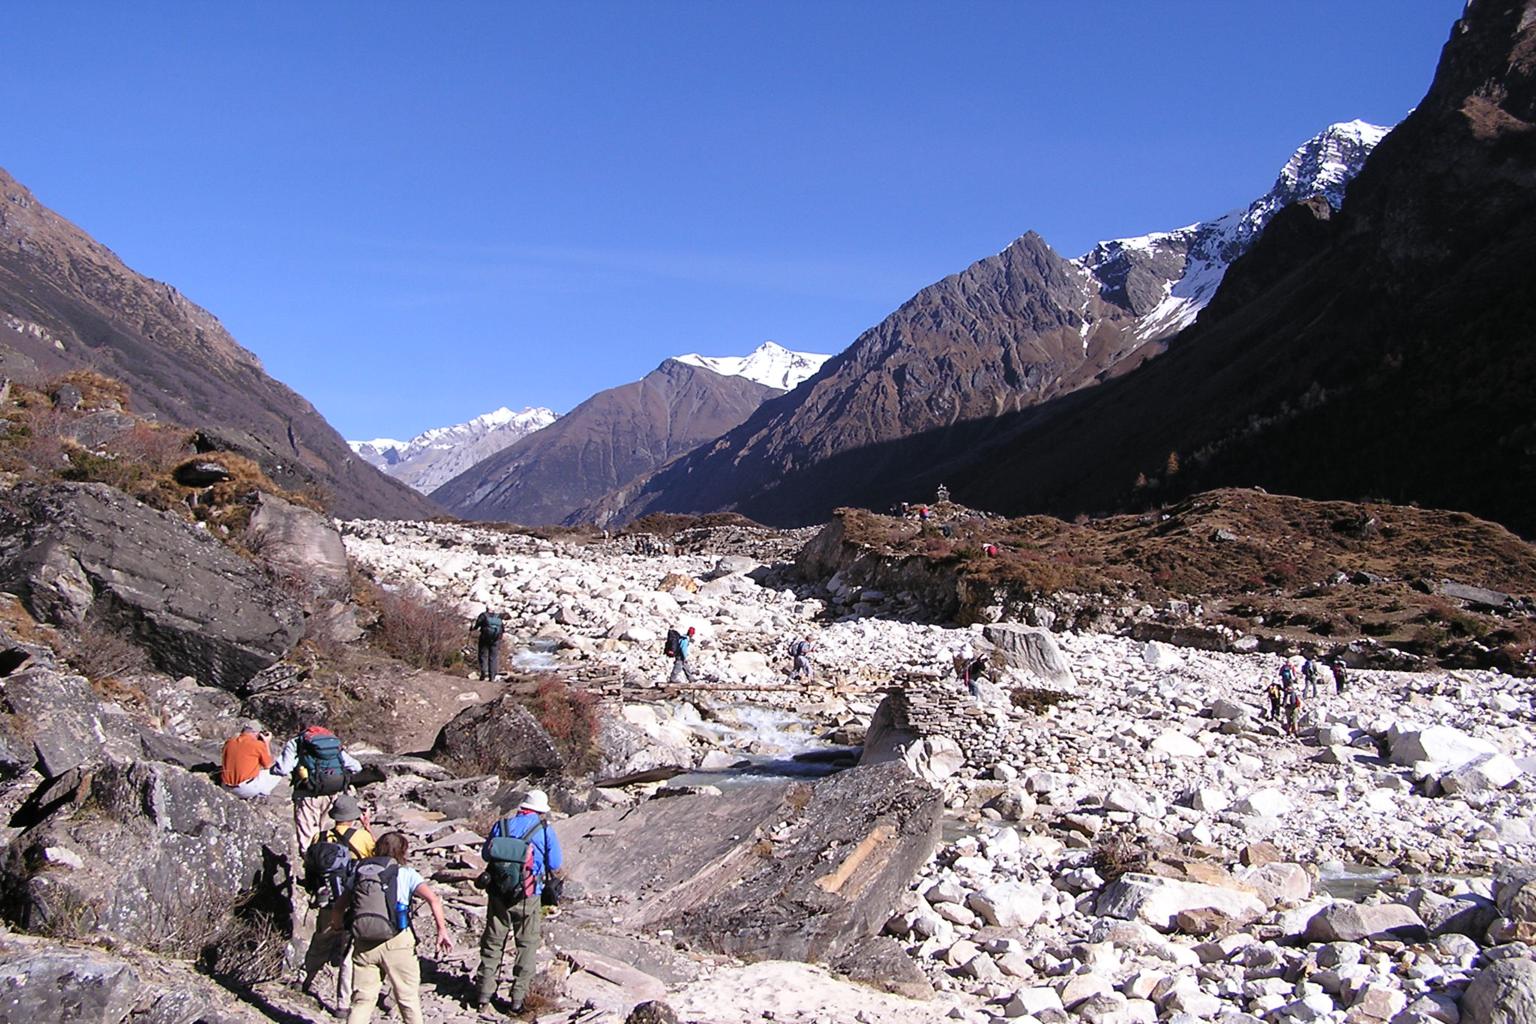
345, 808
536, 801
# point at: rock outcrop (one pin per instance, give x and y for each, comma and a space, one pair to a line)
148, 852
73, 551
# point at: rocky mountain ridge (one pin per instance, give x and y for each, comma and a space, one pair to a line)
67, 302
1368, 351
1007, 335
435, 456
606, 441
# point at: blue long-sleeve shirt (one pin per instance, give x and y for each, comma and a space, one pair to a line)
546, 845
683, 643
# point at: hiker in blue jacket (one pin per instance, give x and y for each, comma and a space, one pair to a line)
681, 666
519, 917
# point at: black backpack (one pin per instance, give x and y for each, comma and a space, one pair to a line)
491, 631
372, 915
328, 867
325, 774
673, 644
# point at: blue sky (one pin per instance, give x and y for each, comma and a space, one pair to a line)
414, 213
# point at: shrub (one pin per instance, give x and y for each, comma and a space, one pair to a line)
569, 715
1033, 699
1116, 855
101, 654
424, 634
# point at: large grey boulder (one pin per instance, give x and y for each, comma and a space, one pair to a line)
300, 544
147, 852
77, 550
1439, 744
500, 737
1504, 993
64, 721
775, 871
1031, 650
1355, 922
1158, 901
63, 984
42, 980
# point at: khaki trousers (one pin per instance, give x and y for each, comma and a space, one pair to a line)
331, 944
521, 921
309, 818
394, 959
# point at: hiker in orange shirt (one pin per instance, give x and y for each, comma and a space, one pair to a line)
247, 758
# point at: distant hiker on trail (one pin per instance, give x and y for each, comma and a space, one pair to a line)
1292, 701
1339, 675
328, 865
523, 864
1309, 671
800, 652
379, 920
678, 647
490, 625
1276, 695
969, 667
247, 760
320, 769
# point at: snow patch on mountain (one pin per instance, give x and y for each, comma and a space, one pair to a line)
435, 456
1192, 260
770, 364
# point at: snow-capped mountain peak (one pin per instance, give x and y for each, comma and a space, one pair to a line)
435, 456
1191, 261
770, 364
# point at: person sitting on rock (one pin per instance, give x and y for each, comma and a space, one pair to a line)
394, 957
800, 651
321, 770
521, 913
682, 648
247, 760
489, 625
332, 943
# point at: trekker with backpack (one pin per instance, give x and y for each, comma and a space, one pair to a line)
800, 651
677, 647
1309, 671
328, 865
523, 860
490, 625
379, 920
320, 770
1340, 678
1292, 701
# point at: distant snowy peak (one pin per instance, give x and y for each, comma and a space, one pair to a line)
433, 457
770, 364
1167, 277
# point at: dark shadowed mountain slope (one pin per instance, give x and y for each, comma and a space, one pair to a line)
67, 302
1010, 333
1388, 350
603, 443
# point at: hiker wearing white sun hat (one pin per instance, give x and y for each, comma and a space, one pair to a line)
523, 864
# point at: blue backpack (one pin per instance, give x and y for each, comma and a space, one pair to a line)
325, 773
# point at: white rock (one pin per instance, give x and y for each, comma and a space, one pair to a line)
1265, 803
1157, 900
1177, 744
1439, 744
1007, 905
1481, 774
1160, 656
